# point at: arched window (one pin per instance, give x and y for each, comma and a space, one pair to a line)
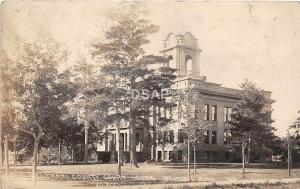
171, 63
189, 64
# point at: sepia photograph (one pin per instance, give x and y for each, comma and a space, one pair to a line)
154, 94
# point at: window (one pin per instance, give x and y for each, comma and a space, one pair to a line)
168, 113
206, 155
172, 63
166, 155
165, 136
151, 120
171, 155
180, 136
206, 110
213, 156
168, 136
122, 144
179, 155
159, 155
206, 137
227, 114
157, 110
114, 142
137, 139
171, 136
159, 137
214, 113
214, 137
125, 142
189, 65
225, 137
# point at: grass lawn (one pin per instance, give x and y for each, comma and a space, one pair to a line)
164, 174
160, 171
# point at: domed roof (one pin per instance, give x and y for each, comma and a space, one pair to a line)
187, 39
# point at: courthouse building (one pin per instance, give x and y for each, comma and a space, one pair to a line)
183, 53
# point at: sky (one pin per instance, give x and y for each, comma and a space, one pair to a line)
239, 40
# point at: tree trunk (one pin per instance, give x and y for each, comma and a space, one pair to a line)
195, 159
243, 159
289, 160
188, 160
15, 153
163, 154
38, 157
249, 150
154, 146
6, 155
120, 150
133, 161
72, 154
59, 151
86, 144
1, 151
35, 154
260, 156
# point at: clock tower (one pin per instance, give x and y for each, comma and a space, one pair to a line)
183, 53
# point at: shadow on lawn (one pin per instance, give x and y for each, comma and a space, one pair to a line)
228, 165
202, 166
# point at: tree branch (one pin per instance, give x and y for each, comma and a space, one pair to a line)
41, 132
28, 132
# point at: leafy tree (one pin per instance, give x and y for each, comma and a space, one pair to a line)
57, 133
24, 147
73, 136
249, 120
290, 147
120, 53
158, 84
294, 137
86, 104
295, 127
41, 96
8, 99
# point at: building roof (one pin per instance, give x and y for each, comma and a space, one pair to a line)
216, 89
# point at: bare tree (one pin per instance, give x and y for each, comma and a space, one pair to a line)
192, 118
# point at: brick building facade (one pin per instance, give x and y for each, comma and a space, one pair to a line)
184, 54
